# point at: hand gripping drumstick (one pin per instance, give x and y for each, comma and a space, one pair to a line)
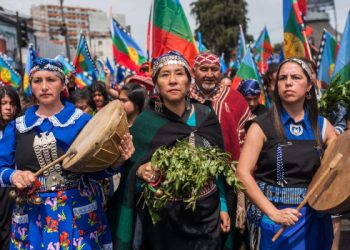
70, 153
332, 165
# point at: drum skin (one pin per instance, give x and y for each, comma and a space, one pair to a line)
333, 195
97, 144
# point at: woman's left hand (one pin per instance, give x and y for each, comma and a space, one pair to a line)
126, 149
225, 222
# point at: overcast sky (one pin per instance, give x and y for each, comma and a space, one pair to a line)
260, 13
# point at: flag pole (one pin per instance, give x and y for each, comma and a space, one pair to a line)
150, 38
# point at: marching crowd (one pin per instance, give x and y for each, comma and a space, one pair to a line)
278, 150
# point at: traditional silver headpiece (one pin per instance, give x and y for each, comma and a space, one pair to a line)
302, 64
172, 57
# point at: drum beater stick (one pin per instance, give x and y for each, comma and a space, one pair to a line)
332, 165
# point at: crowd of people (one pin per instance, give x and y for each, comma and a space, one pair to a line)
278, 150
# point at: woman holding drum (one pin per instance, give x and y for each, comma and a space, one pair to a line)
59, 209
281, 154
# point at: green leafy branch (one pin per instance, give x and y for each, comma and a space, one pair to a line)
185, 171
337, 93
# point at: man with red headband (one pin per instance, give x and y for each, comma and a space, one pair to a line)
231, 109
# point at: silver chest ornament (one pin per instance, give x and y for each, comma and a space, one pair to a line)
45, 149
296, 129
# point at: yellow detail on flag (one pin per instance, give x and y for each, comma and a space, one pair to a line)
81, 58
292, 46
331, 69
134, 56
5, 75
25, 81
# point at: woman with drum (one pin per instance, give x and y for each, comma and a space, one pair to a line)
281, 153
167, 119
59, 209
10, 108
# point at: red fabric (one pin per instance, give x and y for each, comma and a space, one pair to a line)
143, 80
164, 42
302, 6
233, 112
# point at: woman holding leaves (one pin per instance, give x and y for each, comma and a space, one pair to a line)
168, 119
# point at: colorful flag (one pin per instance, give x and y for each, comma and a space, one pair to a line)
169, 30
120, 74
342, 63
112, 72
223, 64
240, 50
82, 60
200, 44
67, 67
82, 80
109, 66
8, 76
263, 49
249, 70
126, 52
31, 57
101, 73
295, 41
327, 54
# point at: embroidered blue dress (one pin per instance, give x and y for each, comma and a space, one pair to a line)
70, 216
284, 170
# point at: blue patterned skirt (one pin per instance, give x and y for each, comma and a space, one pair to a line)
70, 219
313, 231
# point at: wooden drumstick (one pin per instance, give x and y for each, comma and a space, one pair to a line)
70, 153
332, 165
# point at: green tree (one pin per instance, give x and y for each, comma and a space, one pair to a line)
218, 21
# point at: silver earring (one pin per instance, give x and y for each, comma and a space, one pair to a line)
187, 100
158, 105
308, 95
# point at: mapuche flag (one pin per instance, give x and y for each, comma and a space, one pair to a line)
295, 41
328, 52
83, 61
168, 29
8, 76
80, 79
342, 63
263, 49
126, 52
31, 57
240, 50
249, 70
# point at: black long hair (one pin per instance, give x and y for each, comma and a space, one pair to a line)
309, 104
136, 94
15, 102
100, 87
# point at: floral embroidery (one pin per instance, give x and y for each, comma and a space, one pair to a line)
51, 225
53, 246
52, 203
62, 216
77, 243
64, 241
22, 232
92, 218
62, 197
